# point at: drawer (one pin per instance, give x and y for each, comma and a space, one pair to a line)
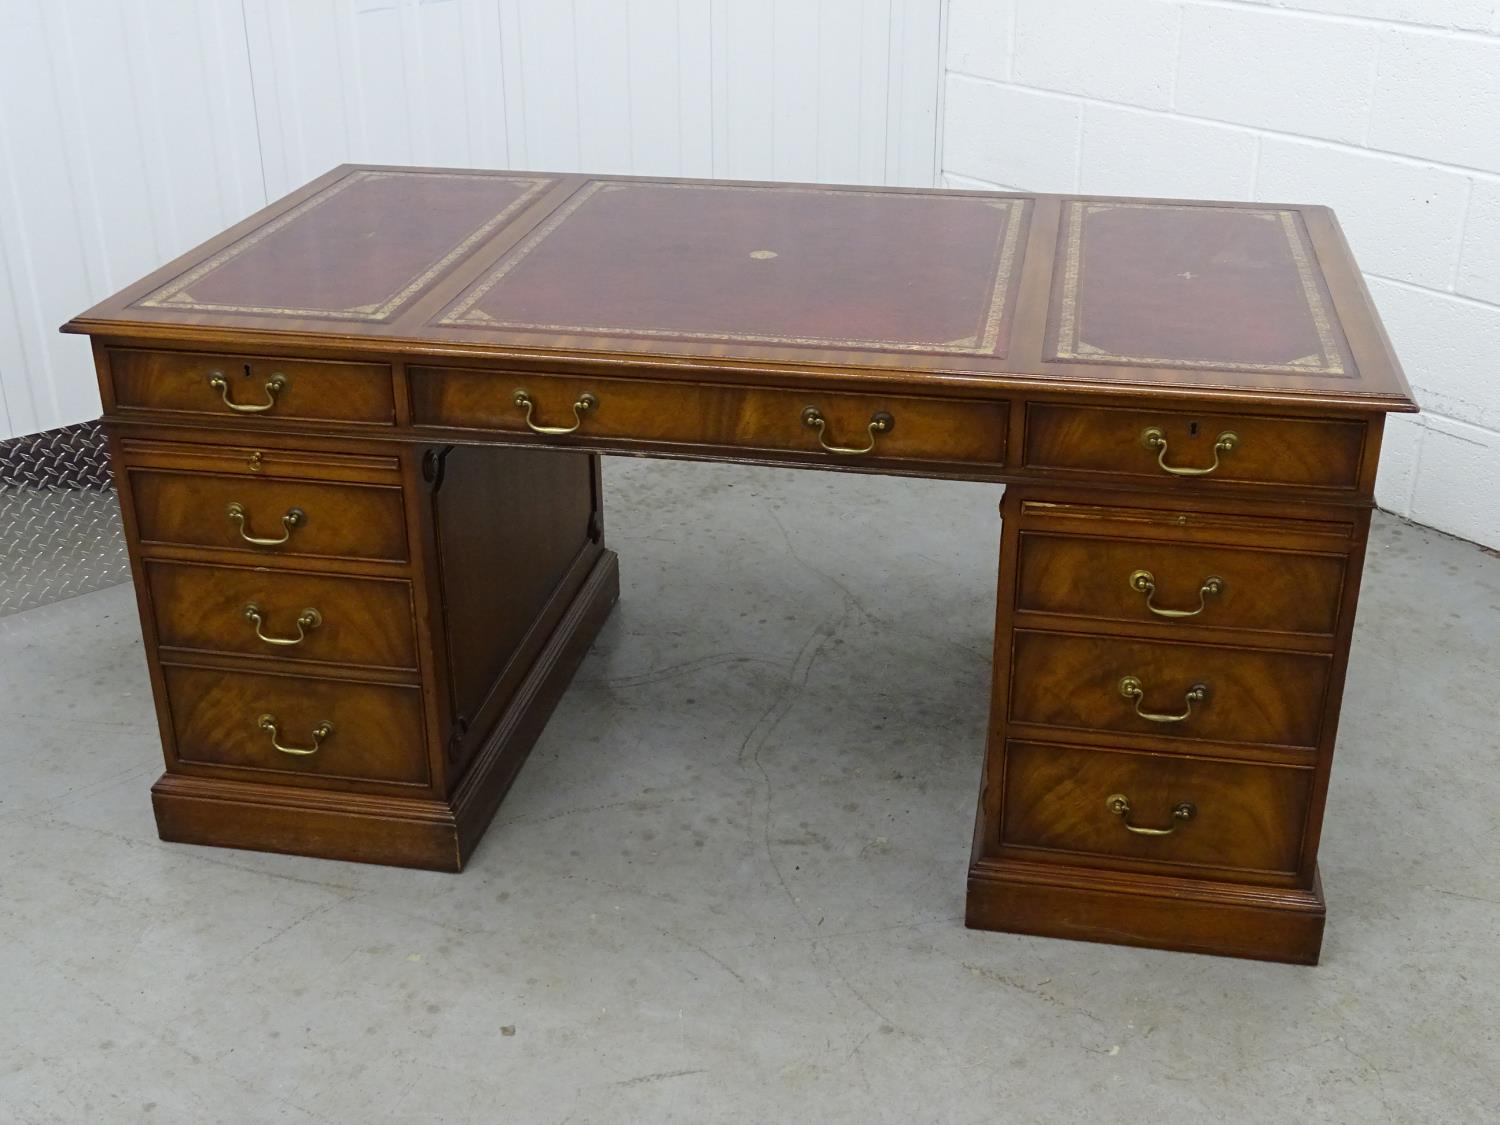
251, 388
1147, 581
1209, 448
1249, 695
290, 517
1215, 813
917, 429
373, 732
296, 615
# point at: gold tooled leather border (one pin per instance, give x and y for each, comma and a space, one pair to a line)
175, 294
984, 340
1068, 345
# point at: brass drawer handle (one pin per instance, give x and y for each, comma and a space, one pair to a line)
1153, 438
294, 517
1131, 688
308, 620
319, 733
274, 386
1119, 804
880, 423
1145, 582
583, 405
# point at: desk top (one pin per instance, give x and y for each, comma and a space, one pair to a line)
983, 290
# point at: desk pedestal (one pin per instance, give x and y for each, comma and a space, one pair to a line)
1167, 678
386, 722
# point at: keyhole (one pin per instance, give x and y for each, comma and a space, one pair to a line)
247, 371
1192, 429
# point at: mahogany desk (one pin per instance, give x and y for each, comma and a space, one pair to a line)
357, 436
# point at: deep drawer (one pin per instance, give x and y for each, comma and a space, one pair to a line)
1155, 582
1247, 695
286, 615
286, 517
918, 429
248, 389
1183, 810
1161, 445
329, 729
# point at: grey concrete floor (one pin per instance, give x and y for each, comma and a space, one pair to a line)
728, 886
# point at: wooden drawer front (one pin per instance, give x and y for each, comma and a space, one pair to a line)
1243, 816
1252, 696
923, 429
1100, 579
336, 520
355, 621
1279, 451
375, 735
265, 387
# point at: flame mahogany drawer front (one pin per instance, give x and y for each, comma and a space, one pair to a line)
295, 728
1159, 583
858, 427
286, 615
268, 516
1156, 808
1168, 690
241, 389
1159, 445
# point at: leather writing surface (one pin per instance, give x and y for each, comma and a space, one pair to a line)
779, 265
931, 287
360, 249
1184, 285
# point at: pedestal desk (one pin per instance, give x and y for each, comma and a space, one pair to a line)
357, 443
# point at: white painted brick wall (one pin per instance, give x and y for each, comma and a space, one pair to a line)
1458, 76
1387, 110
1276, 71
1136, 152
1120, 51
1479, 268
1370, 189
1004, 134
1467, 15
